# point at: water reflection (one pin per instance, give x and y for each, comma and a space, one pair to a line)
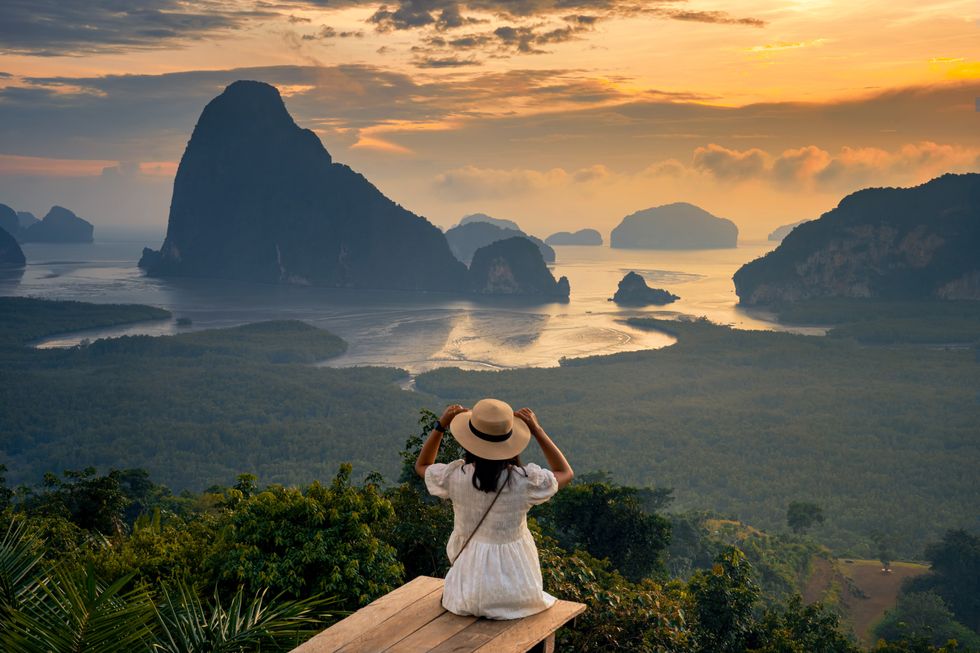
414, 331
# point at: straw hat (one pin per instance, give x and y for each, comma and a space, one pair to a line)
491, 431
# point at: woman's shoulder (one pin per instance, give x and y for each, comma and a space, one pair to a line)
541, 483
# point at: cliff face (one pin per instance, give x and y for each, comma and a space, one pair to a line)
59, 226
674, 226
11, 255
465, 239
580, 237
634, 291
514, 267
9, 222
258, 198
895, 243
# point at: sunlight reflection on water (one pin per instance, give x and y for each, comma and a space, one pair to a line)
414, 331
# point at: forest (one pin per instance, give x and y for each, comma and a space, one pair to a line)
738, 423
818, 442
118, 563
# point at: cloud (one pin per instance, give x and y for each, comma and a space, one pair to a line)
60, 27
472, 182
716, 17
812, 167
729, 164
445, 62
785, 45
328, 32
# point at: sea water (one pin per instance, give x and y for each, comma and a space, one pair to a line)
413, 331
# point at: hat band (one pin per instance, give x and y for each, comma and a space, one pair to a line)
489, 437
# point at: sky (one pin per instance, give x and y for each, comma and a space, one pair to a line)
558, 114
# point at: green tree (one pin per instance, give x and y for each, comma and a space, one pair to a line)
424, 522
90, 501
955, 575
925, 616
609, 521
800, 628
6, 494
316, 540
803, 515
723, 601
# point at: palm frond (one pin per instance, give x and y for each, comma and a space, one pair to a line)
21, 553
190, 626
74, 612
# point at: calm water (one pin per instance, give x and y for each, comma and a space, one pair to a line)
414, 331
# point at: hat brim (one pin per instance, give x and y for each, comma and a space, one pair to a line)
505, 450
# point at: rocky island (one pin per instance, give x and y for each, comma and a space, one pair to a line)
892, 243
9, 221
634, 291
514, 267
674, 226
782, 231
465, 239
11, 255
26, 219
59, 226
258, 198
580, 237
497, 222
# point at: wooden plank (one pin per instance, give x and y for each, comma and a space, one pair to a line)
432, 634
529, 631
398, 626
474, 636
370, 616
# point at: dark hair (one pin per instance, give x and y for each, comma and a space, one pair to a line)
486, 473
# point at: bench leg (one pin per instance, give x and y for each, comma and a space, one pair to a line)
547, 645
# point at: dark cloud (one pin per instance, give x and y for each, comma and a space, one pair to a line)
447, 62
59, 27
4, 75
328, 32
719, 17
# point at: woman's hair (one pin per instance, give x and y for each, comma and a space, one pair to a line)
486, 473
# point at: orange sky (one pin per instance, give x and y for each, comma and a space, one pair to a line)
558, 115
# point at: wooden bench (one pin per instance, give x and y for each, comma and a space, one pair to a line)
412, 618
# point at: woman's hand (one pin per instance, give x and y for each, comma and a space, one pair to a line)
527, 416
556, 459
449, 414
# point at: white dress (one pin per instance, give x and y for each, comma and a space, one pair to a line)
498, 575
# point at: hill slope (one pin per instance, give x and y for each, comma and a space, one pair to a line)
890, 243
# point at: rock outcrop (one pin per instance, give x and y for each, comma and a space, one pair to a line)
894, 243
674, 226
26, 219
497, 222
580, 237
465, 239
514, 267
634, 291
11, 255
59, 226
258, 198
781, 232
10, 223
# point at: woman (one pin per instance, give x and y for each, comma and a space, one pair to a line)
495, 571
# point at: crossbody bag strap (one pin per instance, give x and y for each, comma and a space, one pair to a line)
483, 518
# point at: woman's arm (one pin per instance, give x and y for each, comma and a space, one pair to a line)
556, 459
430, 449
